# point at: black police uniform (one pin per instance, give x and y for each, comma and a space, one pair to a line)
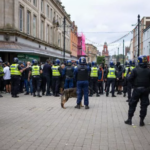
140, 78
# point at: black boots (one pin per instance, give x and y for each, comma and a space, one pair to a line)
87, 107
98, 95
142, 122
129, 121
106, 94
124, 95
77, 106
113, 95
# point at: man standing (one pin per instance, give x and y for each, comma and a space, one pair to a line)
46, 76
124, 75
56, 76
36, 80
1, 75
93, 79
7, 78
81, 76
111, 78
68, 73
15, 71
140, 79
100, 79
28, 80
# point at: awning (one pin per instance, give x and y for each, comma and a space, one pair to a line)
20, 48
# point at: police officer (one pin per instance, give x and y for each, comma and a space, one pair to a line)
81, 76
140, 78
111, 78
56, 76
93, 79
124, 74
35, 72
76, 64
129, 85
15, 71
1, 75
68, 72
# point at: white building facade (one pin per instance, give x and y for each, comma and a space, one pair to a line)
146, 42
31, 28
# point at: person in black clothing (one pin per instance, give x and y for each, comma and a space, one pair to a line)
119, 80
46, 78
105, 74
22, 77
28, 83
140, 80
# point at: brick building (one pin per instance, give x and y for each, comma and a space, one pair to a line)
91, 52
74, 41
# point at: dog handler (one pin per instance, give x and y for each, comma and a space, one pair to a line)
81, 76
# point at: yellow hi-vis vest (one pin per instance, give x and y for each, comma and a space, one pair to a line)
111, 73
126, 71
94, 72
14, 70
1, 70
55, 71
35, 70
132, 67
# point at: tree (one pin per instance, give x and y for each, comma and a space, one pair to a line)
100, 60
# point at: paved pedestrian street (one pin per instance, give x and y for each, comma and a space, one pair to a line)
29, 123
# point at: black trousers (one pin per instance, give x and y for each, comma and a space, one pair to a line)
93, 85
46, 84
111, 81
100, 86
129, 88
36, 83
56, 85
138, 94
15, 85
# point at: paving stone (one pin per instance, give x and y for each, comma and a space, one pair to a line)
29, 123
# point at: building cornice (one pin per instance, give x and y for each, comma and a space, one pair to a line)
14, 32
59, 6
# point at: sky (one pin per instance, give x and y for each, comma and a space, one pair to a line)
93, 17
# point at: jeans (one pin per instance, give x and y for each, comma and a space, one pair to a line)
82, 88
27, 84
69, 83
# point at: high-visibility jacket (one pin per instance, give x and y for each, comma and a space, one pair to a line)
132, 67
55, 71
94, 72
111, 73
14, 70
1, 70
126, 71
35, 70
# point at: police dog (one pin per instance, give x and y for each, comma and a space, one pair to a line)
68, 93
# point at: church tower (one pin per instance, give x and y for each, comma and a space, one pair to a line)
105, 51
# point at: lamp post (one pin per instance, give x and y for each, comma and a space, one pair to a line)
138, 35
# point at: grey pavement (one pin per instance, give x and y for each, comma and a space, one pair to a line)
29, 123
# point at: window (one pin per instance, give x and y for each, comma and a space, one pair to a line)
48, 11
59, 39
35, 2
51, 34
28, 22
42, 30
42, 4
21, 18
47, 33
51, 14
34, 26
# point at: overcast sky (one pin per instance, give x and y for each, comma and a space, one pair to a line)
106, 16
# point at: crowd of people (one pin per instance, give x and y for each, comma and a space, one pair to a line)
52, 78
